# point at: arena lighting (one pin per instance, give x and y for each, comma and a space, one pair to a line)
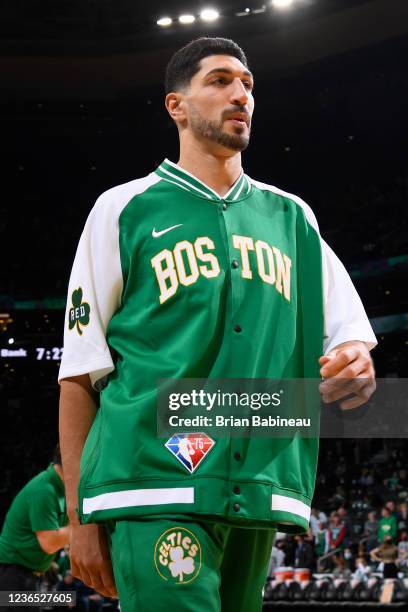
282, 3
164, 21
184, 19
11, 341
209, 14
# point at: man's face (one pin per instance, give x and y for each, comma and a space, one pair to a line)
219, 103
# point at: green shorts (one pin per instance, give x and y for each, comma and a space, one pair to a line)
164, 564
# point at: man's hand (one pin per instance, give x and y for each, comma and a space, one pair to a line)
347, 369
90, 558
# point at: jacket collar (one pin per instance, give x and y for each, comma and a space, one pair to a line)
185, 180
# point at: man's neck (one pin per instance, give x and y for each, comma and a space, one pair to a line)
217, 172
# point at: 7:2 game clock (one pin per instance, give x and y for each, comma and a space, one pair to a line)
49, 354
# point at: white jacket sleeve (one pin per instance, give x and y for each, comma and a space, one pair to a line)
344, 316
94, 295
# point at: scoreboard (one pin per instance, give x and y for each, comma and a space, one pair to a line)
31, 353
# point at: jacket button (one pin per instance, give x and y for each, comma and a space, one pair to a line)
236, 507
237, 328
237, 456
236, 490
224, 206
235, 263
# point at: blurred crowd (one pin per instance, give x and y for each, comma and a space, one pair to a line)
359, 527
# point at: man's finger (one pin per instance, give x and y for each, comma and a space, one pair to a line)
342, 358
363, 395
85, 577
334, 389
325, 358
99, 586
92, 578
108, 582
361, 367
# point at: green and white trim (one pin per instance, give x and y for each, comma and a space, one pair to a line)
139, 497
288, 514
185, 180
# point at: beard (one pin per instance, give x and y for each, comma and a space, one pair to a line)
213, 130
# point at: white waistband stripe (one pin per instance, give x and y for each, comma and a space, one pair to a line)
138, 497
289, 504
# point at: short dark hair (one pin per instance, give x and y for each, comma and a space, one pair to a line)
185, 63
56, 457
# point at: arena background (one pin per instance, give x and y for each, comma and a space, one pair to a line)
82, 110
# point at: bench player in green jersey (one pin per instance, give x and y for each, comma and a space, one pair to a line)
195, 271
35, 528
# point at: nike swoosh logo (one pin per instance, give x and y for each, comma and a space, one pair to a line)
168, 229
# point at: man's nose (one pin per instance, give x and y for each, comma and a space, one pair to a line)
239, 94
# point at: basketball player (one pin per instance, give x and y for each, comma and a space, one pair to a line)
195, 271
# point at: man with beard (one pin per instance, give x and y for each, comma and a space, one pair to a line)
195, 271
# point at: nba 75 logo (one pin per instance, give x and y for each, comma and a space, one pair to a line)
190, 448
79, 313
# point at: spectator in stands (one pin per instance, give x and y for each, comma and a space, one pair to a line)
289, 548
321, 539
391, 506
335, 533
387, 525
277, 556
403, 551
347, 522
371, 531
304, 553
363, 570
387, 555
316, 517
340, 571
402, 517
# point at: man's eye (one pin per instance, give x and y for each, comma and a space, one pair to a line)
220, 81
248, 84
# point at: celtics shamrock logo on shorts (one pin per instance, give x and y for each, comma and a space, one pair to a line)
177, 555
79, 313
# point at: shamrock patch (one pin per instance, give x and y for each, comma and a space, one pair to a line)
177, 555
79, 313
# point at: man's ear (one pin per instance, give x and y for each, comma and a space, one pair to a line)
175, 107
